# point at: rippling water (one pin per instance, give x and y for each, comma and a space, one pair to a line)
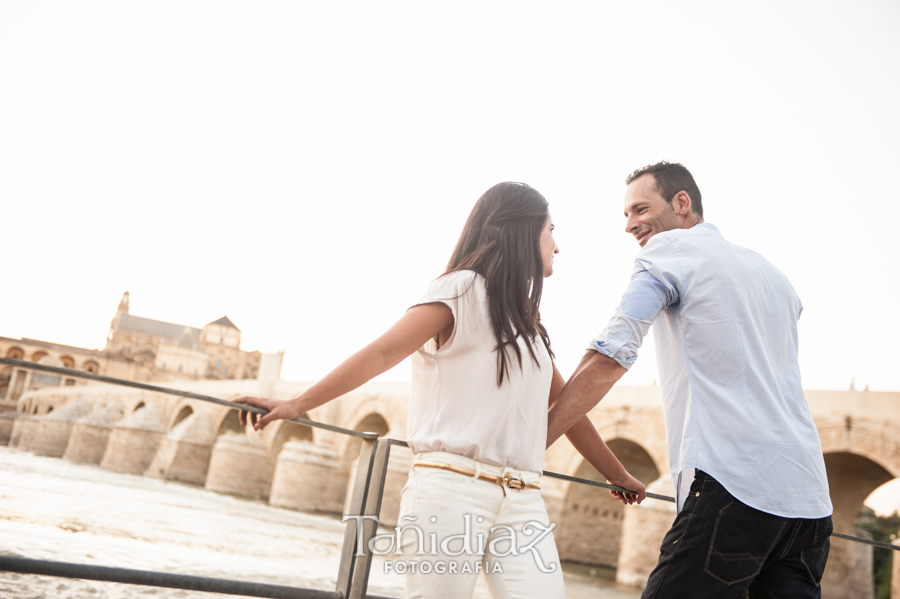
55, 510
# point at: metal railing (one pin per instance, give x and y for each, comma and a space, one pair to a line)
160, 579
365, 501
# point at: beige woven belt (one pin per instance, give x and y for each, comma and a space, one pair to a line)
505, 481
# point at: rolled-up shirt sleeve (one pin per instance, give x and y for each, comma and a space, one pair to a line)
655, 285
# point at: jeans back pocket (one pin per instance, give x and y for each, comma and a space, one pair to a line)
741, 542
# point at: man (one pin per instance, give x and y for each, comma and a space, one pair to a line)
744, 453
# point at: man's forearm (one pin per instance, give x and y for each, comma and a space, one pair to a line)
594, 377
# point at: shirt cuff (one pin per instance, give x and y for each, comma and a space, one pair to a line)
613, 350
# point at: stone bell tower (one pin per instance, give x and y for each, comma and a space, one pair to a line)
114, 324
123, 304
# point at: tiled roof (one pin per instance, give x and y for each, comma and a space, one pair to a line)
225, 321
168, 330
49, 345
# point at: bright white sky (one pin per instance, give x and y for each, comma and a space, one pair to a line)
306, 168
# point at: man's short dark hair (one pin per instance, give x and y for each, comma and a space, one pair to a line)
671, 178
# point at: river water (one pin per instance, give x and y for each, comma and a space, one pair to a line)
55, 510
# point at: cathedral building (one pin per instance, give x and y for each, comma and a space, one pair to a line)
137, 349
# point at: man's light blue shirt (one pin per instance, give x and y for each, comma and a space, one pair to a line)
726, 344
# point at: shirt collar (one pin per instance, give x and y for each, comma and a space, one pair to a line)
705, 229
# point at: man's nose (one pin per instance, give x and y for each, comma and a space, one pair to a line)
630, 224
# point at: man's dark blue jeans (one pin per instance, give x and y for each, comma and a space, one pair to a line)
719, 547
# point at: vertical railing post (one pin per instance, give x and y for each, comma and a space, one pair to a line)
357, 506
359, 580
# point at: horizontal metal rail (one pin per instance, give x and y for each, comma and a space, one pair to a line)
228, 404
841, 535
594, 483
185, 582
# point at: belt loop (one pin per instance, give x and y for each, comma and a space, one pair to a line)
477, 470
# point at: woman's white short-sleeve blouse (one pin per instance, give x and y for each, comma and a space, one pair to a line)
455, 404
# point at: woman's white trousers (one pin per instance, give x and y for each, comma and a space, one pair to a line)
453, 527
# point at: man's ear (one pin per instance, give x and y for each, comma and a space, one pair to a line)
682, 203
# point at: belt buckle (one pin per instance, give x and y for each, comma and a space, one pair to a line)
513, 483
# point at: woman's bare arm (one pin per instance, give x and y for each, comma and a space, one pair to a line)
418, 325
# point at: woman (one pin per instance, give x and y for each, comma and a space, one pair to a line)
482, 381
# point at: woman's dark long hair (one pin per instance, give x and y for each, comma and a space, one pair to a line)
501, 242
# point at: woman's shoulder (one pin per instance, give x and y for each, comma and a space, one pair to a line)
462, 275
458, 278
455, 284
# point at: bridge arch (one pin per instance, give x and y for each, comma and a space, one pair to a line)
288, 431
229, 422
371, 421
860, 456
180, 415
590, 526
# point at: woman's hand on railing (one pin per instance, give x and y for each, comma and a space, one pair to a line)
632, 484
279, 409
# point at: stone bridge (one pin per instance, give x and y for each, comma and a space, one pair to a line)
294, 466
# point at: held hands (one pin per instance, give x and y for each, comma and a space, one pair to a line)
279, 409
632, 484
